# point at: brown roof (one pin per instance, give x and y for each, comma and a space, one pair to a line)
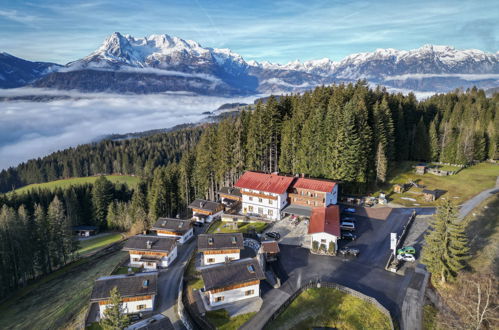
230, 191
272, 183
314, 184
220, 241
158, 243
139, 284
204, 205
325, 220
270, 247
175, 225
235, 272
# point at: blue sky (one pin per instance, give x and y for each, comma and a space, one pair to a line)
277, 31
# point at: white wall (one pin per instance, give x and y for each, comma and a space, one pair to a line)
165, 261
209, 218
324, 236
276, 206
181, 239
219, 258
234, 295
130, 307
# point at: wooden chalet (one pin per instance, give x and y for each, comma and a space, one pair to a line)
430, 195
151, 252
230, 195
220, 248
85, 231
180, 229
206, 211
313, 192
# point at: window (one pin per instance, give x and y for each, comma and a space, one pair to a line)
270, 201
251, 198
211, 260
250, 208
323, 241
251, 269
150, 264
219, 298
260, 200
136, 259
249, 292
141, 307
260, 210
271, 212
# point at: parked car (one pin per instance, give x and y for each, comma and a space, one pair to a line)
406, 250
273, 234
351, 219
406, 257
345, 225
349, 210
348, 235
349, 251
198, 224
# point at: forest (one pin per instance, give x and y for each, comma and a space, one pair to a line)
350, 133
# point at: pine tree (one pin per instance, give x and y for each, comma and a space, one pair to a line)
446, 249
102, 196
114, 314
381, 163
434, 143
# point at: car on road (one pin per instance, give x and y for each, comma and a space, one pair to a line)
273, 234
348, 235
349, 251
406, 250
349, 210
406, 257
345, 225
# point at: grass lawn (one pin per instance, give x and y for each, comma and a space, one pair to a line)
221, 320
460, 187
90, 245
483, 233
326, 307
429, 317
53, 302
94, 326
193, 277
131, 181
124, 270
226, 227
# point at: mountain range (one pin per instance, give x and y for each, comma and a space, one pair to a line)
161, 63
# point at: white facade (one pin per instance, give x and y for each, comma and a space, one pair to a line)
265, 207
229, 296
210, 259
136, 261
131, 307
332, 197
324, 239
206, 218
181, 239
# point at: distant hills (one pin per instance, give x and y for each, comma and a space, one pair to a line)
161, 63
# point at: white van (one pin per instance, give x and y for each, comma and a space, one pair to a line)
346, 225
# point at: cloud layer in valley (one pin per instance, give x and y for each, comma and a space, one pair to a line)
35, 129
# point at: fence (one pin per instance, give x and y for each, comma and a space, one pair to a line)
320, 284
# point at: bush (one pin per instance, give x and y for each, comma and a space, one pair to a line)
315, 245
332, 248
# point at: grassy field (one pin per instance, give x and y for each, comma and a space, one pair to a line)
221, 320
91, 245
193, 277
326, 307
57, 299
226, 227
124, 270
131, 181
460, 187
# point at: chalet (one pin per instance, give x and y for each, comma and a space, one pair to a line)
155, 322
177, 228
269, 250
206, 211
138, 291
151, 252
324, 227
231, 282
85, 231
313, 192
430, 195
230, 196
264, 194
218, 248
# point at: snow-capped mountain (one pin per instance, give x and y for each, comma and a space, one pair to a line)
160, 63
16, 72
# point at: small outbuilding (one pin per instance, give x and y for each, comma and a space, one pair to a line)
430, 195
399, 188
85, 231
270, 250
421, 169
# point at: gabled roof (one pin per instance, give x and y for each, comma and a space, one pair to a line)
158, 243
223, 241
174, 225
270, 247
234, 272
139, 284
230, 191
431, 192
314, 184
202, 204
325, 220
272, 183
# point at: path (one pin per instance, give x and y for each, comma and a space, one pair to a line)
470, 204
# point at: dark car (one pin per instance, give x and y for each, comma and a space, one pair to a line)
348, 235
273, 234
198, 224
349, 219
349, 251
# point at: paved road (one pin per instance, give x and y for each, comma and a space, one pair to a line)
365, 274
470, 204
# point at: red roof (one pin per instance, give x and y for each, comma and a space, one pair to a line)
272, 183
325, 220
314, 184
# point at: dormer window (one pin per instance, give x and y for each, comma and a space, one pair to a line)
251, 269
210, 240
233, 240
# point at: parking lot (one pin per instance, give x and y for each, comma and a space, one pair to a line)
293, 232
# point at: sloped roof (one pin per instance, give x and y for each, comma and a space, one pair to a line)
222, 241
235, 272
230, 191
270, 247
272, 183
158, 243
128, 285
314, 184
325, 220
202, 204
174, 225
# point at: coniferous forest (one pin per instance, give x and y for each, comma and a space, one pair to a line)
348, 132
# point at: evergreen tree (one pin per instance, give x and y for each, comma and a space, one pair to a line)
114, 314
434, 143
381, 163
102, 196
